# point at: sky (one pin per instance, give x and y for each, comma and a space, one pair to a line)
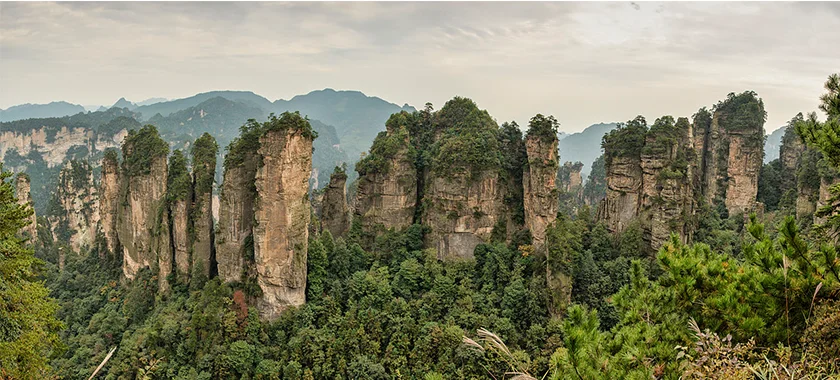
584, 63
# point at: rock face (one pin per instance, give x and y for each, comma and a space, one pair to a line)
22, 192
53, 146
109, 192
387, 192
649, 178
236, 215
143, 185
825, 184
179, 214
623, 163
667, 193
744, 163
204, 152
74, 213
540, 185
282, 214
335, 216
461, 212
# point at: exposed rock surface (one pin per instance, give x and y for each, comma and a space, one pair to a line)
236, 217
540, 185
179, 213
624, 184
335, 216
204, 152
109, 193
282, 214
386, 197
22, 192
745, 158
142, 196
461, 212
74, 213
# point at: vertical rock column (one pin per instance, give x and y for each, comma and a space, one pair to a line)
142, 198
109, 192
335, 216
282, 214
22, 191
204, 153
540, 184
387, 192
234, 240
74, 213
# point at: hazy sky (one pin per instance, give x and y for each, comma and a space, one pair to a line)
582, 62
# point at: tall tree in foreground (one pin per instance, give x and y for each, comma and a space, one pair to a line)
28, 327
825, 136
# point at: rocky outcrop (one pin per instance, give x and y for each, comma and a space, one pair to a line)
667, 194
649, 178
204, 153
463, 198
282, 214
334, 214
540, 183
387, 189
461, 212
745, 156
143, 188
826, 183
234, 239
179, 214
623, 163
109, 193
24, 197
74, 210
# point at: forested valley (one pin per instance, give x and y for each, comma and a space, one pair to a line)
464, 249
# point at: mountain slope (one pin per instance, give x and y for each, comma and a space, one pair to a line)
172, 106
772, 144
29, 111
358, 118
584, 146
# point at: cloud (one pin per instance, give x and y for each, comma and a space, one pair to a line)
582, 62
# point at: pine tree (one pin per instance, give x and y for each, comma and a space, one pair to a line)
28, 326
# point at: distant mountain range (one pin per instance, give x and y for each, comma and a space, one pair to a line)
28, 111
584, 146
772, 144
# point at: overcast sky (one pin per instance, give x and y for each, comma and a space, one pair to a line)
581, 62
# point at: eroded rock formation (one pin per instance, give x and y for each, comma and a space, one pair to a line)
540, 182
22, 192
143, 185
335, 216
387, 189
234, 239
204, 153
74, 212
282, 214
109, 193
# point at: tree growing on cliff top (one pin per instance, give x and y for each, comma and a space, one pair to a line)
28, 326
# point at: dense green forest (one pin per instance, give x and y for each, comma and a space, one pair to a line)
751, 297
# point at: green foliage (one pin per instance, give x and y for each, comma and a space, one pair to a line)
178, 182
140, 149
468, 143
743, 112
770, 185
543, 127
290, 121
28, 327
385, 147
825, 136
625, 141
204, 153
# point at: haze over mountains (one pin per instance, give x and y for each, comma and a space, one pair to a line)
347, 123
